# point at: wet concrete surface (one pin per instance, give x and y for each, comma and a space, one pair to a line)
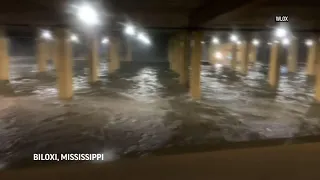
294, 162
142, 109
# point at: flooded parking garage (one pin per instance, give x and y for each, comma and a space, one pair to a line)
142, 109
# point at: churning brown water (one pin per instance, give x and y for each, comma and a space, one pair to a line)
142, 109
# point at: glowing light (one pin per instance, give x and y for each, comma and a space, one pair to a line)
144, 38
88, 15
285, 41
46, 34
269, 43
218, 65
309, 42
255, 42
202, 42
218, 55
215, 40
130, 30
74, 38
239, 42
283, 69
105, 41
281, 32
234, 38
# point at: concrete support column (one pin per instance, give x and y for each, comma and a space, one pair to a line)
245, 57
292, 56
53, 52
317, 71
317, 84
175, 55
42, 55
211, 55
64, 63
234, 50
184, 77
274, 66
4, 57
93, 60
117, 60
170, 53
179, 55
114, 62
253, 54
195, 80
311, 59
183, 58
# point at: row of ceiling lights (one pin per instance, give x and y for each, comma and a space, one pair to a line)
47, 35
89, 16
280, 33
131, 31
234, 38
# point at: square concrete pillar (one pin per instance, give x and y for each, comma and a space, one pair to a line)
114, 59
175, 60
317, 71
170, 53
179, 54
234, 50
245, 57
94, 60
196, 55
211, 53
317, 84
183, 78
64, 63
253, 54
4, 57
274, 66
292, 56
311, 59
42, 54
53, 53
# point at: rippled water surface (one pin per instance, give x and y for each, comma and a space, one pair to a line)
142, 108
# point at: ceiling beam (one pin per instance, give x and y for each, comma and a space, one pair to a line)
160, 20
212, 9
130, 10
294, 11
30, 18
245, 10
266, 22
292, 3
45, 4
222, 27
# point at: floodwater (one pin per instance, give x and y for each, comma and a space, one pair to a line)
142, 109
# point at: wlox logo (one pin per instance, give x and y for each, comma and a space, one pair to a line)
282, 18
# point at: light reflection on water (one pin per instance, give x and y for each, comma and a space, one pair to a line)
143, 108
146, 84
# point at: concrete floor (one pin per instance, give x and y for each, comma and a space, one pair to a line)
294, 162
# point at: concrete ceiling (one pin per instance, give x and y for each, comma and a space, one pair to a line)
303, 15
236, 14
